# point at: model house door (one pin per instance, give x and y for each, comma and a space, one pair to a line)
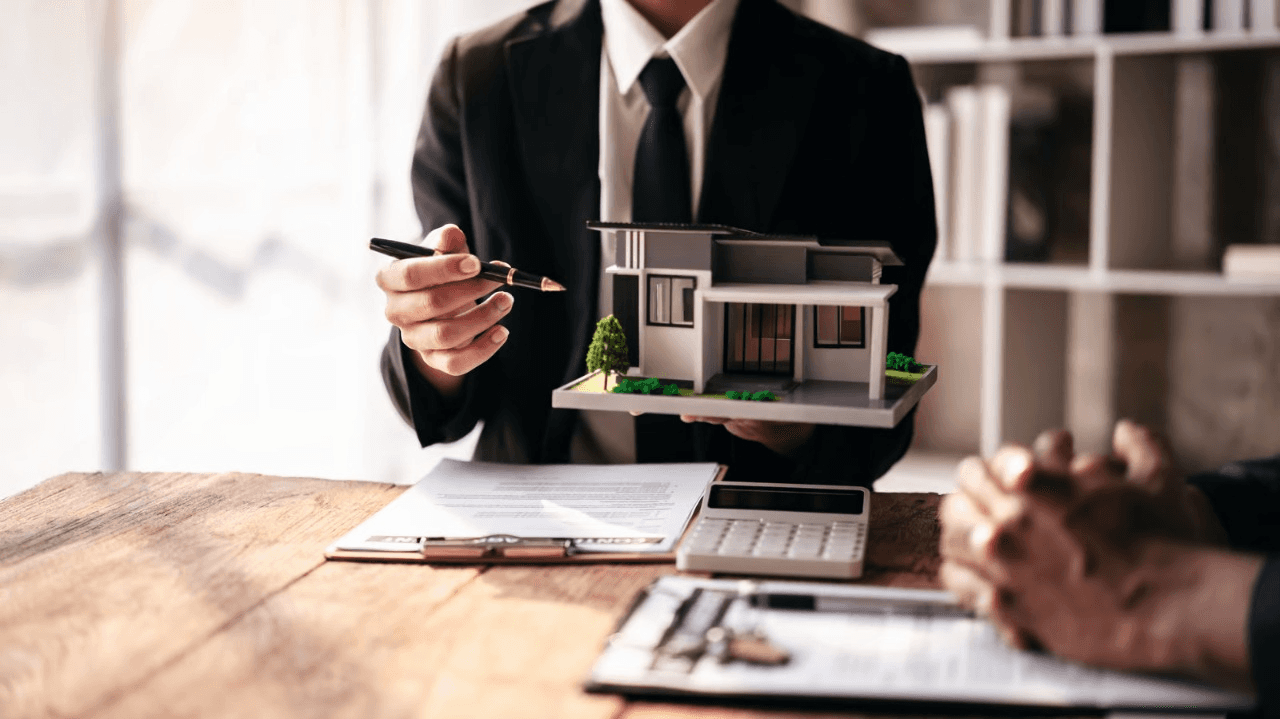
759, 339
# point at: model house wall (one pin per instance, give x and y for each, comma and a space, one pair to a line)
672, 351
849, 364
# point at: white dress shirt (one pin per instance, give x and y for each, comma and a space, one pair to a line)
699, 50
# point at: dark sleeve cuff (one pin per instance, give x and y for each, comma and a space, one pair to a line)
1264, 638
432, 417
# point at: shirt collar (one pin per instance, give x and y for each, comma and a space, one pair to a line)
699, 48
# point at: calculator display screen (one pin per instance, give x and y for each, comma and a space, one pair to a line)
830, 501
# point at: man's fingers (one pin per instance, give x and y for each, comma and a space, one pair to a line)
752, 430
1092, 472
974, 478
1145, 454
968, 534
1054, 449
1013, 467
460, 329
970, 589
1018, 471
404, 309
419, 273
447, 239
462, 360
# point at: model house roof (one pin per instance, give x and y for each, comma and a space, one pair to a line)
879, 249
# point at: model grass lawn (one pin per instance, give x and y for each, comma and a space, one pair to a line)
903, 369
897, 377
595, 382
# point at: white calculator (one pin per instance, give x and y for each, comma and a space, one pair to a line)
792, 530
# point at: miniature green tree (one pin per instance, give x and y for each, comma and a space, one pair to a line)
608, 350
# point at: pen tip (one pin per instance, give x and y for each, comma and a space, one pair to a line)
550, 285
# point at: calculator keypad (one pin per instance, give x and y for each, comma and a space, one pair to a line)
752, 546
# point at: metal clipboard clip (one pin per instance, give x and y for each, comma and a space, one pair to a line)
496, 545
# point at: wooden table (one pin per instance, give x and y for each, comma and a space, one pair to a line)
175, 595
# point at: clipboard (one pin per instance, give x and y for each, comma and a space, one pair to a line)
510, 549
810, 642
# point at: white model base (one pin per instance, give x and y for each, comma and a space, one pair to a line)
818, 401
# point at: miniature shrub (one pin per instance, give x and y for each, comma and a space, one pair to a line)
901, 363
645, 386
761, 396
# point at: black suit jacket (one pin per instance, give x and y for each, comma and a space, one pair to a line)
814, 133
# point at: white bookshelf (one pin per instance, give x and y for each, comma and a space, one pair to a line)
1082, 279
1020, 49
1023, 347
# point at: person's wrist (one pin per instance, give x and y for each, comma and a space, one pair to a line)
449, 386
1205, 617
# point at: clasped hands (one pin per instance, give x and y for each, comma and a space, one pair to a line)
1114, 561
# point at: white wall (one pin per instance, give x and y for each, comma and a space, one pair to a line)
49, 283
846, 364
671, 352
712, 329
262, 145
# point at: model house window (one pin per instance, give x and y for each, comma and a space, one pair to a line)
671, 300
839, 326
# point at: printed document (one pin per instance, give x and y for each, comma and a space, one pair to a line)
857, 642
619, 508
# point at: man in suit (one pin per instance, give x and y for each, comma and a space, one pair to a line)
1122, 562
542, 121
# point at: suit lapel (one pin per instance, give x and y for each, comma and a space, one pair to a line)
555, 88
765, 97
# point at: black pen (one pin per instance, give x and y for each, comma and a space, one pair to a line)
488, 270
857, 605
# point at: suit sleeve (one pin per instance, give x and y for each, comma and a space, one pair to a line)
1264, 638
440, 196
1246, 497
900, 155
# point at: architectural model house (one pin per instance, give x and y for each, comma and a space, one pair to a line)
717, 309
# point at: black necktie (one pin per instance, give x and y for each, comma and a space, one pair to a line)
660, 193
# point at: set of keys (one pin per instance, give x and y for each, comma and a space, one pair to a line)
696, 631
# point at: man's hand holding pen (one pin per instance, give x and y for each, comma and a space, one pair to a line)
434, 302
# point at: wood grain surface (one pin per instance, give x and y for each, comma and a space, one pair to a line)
183, 595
